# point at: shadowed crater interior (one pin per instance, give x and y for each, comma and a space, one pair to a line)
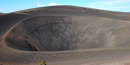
58, 33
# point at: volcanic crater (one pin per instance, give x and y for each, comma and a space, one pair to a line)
64, 35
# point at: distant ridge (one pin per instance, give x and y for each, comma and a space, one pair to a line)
1, 13
70, 8
67, 10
